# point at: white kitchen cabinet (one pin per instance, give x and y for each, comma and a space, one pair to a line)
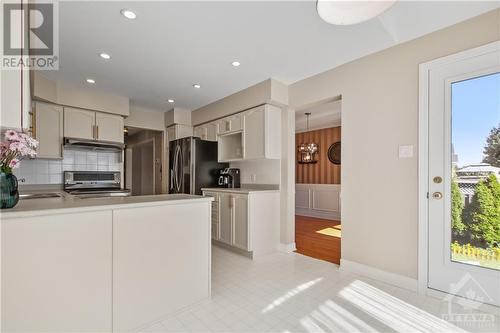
206, 132
109, 127
230, 147
179, 131
215, 214
230, 124
48, 130
226, 218
92, 125
248, 221
262, 133
240, 221
79, 123
57, 273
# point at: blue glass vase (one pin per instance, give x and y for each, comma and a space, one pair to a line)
9, 193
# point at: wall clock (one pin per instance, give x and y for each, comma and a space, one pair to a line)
334, 153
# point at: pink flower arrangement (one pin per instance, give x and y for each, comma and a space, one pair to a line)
14, 148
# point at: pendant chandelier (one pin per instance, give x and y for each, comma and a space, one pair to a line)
308, 151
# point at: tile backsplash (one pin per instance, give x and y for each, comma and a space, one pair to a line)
45, 171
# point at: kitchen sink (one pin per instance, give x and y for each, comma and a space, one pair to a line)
40, 195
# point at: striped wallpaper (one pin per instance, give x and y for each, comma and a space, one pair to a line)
323, 172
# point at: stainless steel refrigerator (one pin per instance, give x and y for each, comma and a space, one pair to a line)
193, 165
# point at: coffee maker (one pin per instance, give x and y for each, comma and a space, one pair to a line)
229, 178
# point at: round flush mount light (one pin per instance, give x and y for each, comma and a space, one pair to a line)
171, 101
235, 63
105, 56
128, 14
344, 12
197, 86
91, 81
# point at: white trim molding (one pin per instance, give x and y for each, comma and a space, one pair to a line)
397, 280
423, 155
287, 248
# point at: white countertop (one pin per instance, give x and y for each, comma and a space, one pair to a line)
242, 190
68, 204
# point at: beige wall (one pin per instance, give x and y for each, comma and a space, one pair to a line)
379, 112
269, 91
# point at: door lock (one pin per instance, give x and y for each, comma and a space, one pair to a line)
438, 180
437, 195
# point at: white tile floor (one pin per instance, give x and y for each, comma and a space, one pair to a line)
293, 293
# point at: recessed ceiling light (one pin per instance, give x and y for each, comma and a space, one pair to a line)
235, 63
91, 81
128, 14
197, 86
170, 100
105, 56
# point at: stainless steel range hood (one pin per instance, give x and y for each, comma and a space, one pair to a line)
93, 145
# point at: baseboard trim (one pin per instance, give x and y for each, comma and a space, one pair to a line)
287, 248
318, 214
378, 274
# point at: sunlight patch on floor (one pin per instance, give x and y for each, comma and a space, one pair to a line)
295, 291
330, 232
393, 312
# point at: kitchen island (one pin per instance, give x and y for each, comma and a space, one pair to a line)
102, 265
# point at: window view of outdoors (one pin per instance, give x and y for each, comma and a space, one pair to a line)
475, 189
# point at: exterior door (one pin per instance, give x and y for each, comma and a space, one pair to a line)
463, 174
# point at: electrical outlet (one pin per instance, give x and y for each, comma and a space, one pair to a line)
253, 177
406, 151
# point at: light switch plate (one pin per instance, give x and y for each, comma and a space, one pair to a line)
406, 151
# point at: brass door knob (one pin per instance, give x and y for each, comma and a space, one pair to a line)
438, 180
437, 195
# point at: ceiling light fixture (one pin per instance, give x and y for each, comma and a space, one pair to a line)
308, 151
91, 81
197, 86
128, 14
235, 63
171, 101
105, 56
342, 12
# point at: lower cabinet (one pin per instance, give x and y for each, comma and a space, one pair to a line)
246, 221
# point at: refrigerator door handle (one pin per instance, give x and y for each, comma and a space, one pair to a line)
182, 171
175, 170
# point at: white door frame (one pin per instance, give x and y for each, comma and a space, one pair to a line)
423, 151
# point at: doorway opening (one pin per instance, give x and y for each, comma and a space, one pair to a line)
318, 228
143, 161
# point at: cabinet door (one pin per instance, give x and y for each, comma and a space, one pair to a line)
224, 125
109, 127
240, 221
212, 132
235, 123
48, 130
201, 132
56, 273
79, 124
225, 215
255, 134
171, 133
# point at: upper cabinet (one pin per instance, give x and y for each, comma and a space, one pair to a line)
79, 124
249, 135
262, 132
48, 129
178, 131
207, 132
109, 127
91, 125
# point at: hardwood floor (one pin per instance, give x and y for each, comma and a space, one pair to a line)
318, 238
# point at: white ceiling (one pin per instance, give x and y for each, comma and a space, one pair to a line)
322, 116
172, 45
